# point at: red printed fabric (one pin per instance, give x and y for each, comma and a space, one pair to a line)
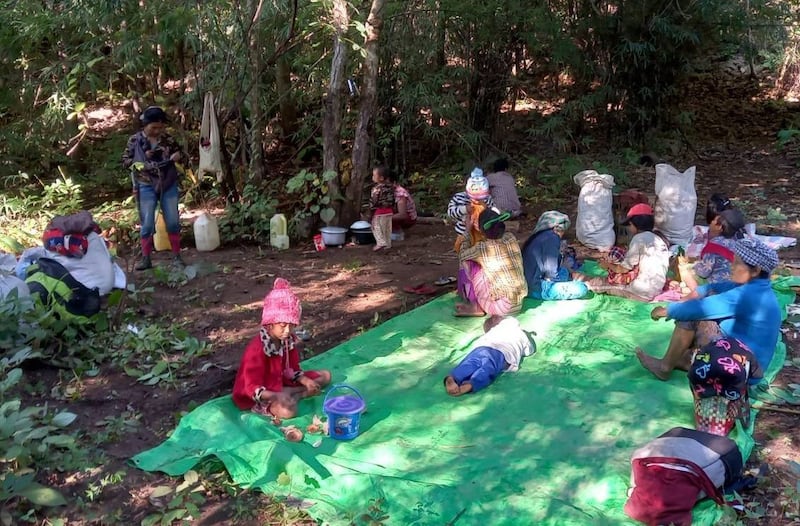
70, 245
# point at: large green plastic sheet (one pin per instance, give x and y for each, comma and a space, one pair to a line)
549, 444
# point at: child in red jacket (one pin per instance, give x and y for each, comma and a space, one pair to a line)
270, 381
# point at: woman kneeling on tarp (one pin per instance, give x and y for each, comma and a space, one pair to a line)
744, 308
547, 279
491, 277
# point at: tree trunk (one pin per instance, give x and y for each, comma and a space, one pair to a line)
256, 136
332, 119
366, 115
286, 102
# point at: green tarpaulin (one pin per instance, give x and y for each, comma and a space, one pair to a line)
549, 444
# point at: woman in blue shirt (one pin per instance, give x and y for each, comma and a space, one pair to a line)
744, 308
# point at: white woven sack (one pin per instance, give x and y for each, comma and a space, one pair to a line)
595, 224
210, 149
676, 203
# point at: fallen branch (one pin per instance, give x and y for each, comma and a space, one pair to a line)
768, 407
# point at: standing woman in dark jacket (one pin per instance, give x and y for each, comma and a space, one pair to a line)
151, 156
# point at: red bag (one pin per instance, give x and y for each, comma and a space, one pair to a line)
666, 489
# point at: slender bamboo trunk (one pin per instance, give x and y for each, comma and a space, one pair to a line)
366, 114
334, 104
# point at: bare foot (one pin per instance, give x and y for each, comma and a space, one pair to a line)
654, 365
451, 386
377, 248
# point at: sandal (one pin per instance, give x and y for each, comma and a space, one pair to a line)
423, 289
445, 280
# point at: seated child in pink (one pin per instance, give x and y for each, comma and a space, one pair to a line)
500, 349
270, 380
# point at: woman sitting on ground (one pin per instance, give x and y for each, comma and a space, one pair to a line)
490, 277
542, 260
405, 215
744, 308
648, 253
504, 188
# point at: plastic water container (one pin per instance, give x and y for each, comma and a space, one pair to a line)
343, 412
161, 238
281, 242
206, 233
278, 234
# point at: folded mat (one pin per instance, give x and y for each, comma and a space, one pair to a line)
549, 444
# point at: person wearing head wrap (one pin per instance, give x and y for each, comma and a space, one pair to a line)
270, 380
490, 277
466, 206
545, 274
155, 160
744, 308
717, 256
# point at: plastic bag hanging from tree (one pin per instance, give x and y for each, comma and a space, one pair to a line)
210, 152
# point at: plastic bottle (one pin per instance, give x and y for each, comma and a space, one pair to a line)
278, 236
206, 232
161, 239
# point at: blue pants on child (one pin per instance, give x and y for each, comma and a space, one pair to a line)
480, 367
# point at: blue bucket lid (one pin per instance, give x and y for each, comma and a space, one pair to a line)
344, 405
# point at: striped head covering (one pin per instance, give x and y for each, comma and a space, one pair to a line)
756, 254
551, 219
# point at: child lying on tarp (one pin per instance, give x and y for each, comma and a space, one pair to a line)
500, 349
270, 381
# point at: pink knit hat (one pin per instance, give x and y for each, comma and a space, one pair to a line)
281, 305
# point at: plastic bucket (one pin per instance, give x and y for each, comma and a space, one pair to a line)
343, 412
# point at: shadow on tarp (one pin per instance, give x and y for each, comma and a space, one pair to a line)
549, 444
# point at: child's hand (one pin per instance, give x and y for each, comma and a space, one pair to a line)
308, 383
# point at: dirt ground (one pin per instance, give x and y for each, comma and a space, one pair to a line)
351, 289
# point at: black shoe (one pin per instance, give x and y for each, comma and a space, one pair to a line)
177, 261
144, 264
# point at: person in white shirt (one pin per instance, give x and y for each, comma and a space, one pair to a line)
500, 349
648, 253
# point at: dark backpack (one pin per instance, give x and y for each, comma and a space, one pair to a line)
55, 287
671, 473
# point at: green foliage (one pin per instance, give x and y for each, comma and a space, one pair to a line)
315, 195
181, 503
788, 137
30, 438
248, 219
154, 354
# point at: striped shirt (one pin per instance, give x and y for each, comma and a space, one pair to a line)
457, 209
